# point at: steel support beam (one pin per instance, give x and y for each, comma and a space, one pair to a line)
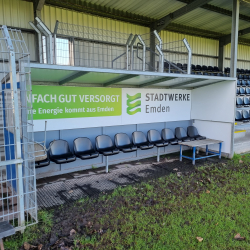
118, 79
38, 5
227, 39
163, 22
221, 55
234, 38
72, 77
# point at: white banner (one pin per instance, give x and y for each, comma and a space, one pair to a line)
136, 106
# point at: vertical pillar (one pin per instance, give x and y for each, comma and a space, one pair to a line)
152, 47
221, 55
234, 38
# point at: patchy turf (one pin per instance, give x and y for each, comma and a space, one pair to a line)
208, 208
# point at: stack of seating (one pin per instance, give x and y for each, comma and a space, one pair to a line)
59, 151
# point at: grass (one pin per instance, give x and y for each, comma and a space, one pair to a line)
167, 213
31, 233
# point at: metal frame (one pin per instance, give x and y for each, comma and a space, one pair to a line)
193, 158
189, 55
42, 27
17, 168
132, 52
163, 22
39, 41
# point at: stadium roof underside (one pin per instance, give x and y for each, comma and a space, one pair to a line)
205, 18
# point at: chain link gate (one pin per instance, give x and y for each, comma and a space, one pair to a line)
17, 166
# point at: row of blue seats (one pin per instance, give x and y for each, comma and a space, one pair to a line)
242, 115
242, 102
59, 151
243, 83
243, 77
243, 91
239, 71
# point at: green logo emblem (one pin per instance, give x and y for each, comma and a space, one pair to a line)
133, 104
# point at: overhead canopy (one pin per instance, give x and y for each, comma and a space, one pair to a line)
95, 77
211, 19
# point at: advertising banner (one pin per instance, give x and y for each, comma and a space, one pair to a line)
82, 107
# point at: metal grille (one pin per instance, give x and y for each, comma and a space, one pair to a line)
91, 47
17, 169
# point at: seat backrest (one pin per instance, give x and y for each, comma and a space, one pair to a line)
138, 137
154, 135
216, 69
239, 101
167, 134
204, 67
192, 131
243, 82
240, 76
237, 91
238, 83
180, 132
122, 139
247, 90
248, 82
246, 100
245, 114
82, 144
103, 141
238, 115
59, 147
242, 91
210, 68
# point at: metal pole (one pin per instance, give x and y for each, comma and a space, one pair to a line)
158, 154
189, 55
132, 52
45, 131
144, 54
221, 55
40, 51
50, 42
107, 164
17, 134
127, 50
193, 161
159, 48
180, 152
152, 47
161, 59
234, 38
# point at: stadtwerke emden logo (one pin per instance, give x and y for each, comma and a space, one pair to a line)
133, 104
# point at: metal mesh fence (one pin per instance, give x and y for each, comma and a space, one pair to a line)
91, 47
175, 57
17, 169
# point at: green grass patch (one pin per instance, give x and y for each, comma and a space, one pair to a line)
213, 203
31, 233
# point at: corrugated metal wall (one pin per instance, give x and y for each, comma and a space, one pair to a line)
51, 14
199, 45
16, 13
243, 56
